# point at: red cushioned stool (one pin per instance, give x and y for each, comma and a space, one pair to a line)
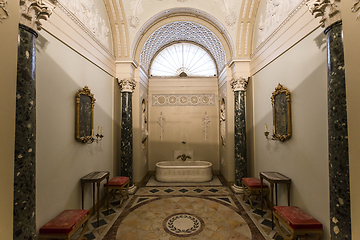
117, 184
297, 221
64, 225
252, 186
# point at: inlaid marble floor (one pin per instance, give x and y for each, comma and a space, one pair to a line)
182, 212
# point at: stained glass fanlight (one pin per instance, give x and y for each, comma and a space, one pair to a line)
183, 59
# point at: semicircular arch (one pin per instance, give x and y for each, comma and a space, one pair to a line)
196, 17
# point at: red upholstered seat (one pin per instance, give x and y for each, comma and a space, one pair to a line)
254, 183
64, 222
117, 181
297, 218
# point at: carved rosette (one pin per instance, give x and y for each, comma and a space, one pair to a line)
239, 84
127, 85
32, 11
328, 10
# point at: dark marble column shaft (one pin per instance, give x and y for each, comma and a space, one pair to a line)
340, 215
240, 138
24, 222
126, 136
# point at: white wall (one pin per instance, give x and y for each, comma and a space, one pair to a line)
8, 74
303, 158
183, 123
61, 160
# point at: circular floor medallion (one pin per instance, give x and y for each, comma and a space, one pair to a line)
183, 224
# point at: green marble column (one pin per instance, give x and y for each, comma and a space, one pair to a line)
127, 87
240, 161
340, 214
24, 222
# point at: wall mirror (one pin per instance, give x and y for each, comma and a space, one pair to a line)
280, 101
85, 101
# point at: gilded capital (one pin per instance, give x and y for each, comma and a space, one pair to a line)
126, 85
32, 11
328, 10
239, 84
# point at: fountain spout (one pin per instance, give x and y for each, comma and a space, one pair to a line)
183, 157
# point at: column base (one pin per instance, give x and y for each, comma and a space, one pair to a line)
236, 189
132, 189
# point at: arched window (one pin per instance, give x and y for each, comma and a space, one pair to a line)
184, 60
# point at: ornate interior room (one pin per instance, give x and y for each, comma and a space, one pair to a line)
235, 90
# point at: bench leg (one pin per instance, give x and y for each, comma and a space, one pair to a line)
83, 231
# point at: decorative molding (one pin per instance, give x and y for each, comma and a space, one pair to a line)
86, 15
328, 10
183, 99
161, 121
355, 7
239, 84
32, 11
205, 123
126, 85
4, 14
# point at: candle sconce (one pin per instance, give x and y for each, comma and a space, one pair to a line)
98, 136
267, 134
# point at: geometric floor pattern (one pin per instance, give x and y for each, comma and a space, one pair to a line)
182, 212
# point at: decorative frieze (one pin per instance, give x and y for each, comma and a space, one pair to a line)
183, 99
4, 14
127, 85
32, 11
239, 84
328, 10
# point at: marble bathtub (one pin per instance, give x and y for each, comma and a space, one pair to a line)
179, 171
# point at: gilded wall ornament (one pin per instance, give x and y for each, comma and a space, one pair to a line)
4, 14
32, 11
127, 85
328, 10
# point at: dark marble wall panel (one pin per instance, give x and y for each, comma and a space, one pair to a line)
24, 222
240, 138
126, 136
340, 219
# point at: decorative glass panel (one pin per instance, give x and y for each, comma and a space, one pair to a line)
183, 59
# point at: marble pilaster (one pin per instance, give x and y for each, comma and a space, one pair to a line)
239, 87
127, 86
340, 214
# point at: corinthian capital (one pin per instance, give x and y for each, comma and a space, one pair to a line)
32, 11
239, 84
126, 85
328, 10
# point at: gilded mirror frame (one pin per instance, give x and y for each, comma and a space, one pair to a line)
280, 101
84, 116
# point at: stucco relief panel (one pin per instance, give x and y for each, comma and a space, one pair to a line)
272, 13
3, 10
88, 14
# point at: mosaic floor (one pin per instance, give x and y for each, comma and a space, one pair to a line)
182, 212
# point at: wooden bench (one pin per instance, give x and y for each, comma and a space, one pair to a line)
297, 222
117, 184
252, 186
64, 225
